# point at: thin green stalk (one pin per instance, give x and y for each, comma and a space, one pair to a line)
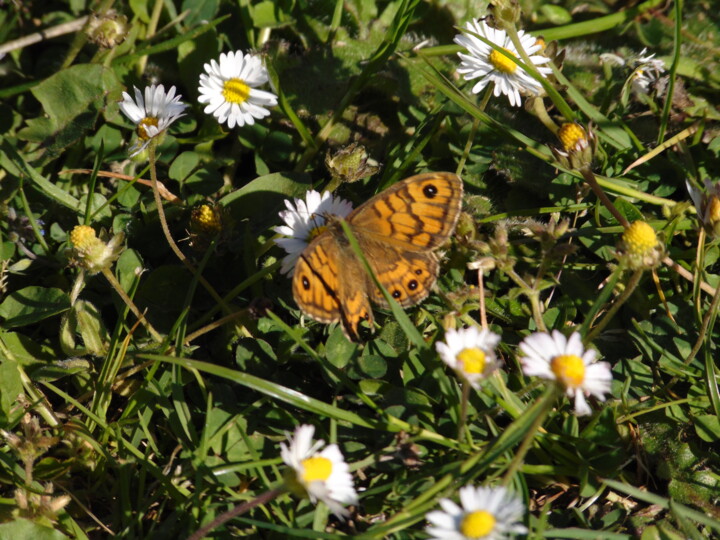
107, 273
166, 230
707, 323
619, 301
463, 410
677, 41
470, 139
33, 222
600, 194
152, 26
534, 297
547, 400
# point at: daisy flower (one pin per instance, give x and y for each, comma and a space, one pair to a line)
152, 115
490, 65
304, 220
230, 89
564, 360
322, 475
487, 513
470, 352
648, 70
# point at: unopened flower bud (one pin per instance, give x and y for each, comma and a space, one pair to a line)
92, 253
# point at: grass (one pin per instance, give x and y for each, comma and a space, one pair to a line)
145, 396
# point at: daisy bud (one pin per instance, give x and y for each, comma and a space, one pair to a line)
578, 146
639, 246
108, 30
351, 163
90, 252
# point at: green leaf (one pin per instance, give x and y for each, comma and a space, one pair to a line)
10, 386
556, 14
707, 427
33, 304
72, 100
202, 10
15, 164
23, 529
266, 194
268, 15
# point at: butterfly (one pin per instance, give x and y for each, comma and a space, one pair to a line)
398, 231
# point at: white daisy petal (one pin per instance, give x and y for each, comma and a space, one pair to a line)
322, 474
303, 219
564, 360
470, 352
152, 114
485, 512
230, 87
487, 64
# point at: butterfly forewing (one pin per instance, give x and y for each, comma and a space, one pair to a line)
418, 213
316, 281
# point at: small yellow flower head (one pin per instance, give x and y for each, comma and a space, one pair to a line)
578, 146
206, 219
209, 222
477, 524
640, 246
502, 63
92, 253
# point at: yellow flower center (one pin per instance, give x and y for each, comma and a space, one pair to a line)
206, 218
472, 360
315, 232
572, 136
639, 238
316, 468
501, 62
569, 369
477, 524
83, 236
142, 129
235, 91
712, 211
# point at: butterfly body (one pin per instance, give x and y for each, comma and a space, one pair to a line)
398, 231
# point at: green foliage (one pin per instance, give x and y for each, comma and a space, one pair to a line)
148, 399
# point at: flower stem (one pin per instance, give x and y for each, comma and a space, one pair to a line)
619, 301
128, 301
236, 511
463, 410
166, 230
592, 182
473, 130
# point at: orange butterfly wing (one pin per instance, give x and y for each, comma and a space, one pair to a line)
326, 293
397, 230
